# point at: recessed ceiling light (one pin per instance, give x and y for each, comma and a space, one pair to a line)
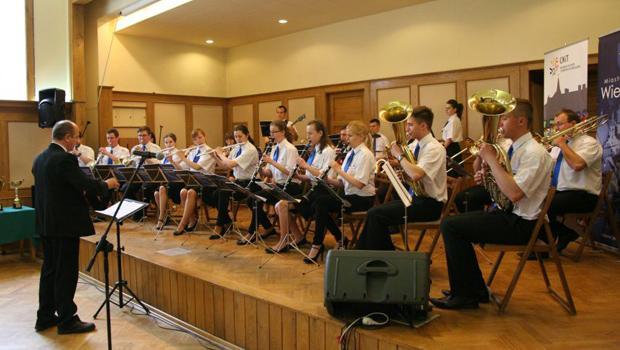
282, 21
210, 41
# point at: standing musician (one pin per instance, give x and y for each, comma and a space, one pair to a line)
114, 153
430, 171
172, 190
357, 176
85, 155
321, 154
379, 142
199, 160
242, 159
526, 188
576, 175
282, 114
452, 132
280, 163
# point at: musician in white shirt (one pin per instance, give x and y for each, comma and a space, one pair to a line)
526, 187
85, 155
378, 142
429, 172
171, 190
113, 153
577, 176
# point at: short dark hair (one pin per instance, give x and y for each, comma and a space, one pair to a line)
145, 128
172, 136
112, 131
423, 114
570, 114
283, 107
524, 109
374, 120
62, 129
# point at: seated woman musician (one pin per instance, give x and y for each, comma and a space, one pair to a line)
320, 154
171, 190
197, 160
278, 165
357, 176
242, 160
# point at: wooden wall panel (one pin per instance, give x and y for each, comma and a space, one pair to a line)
23, 150
299, 106
211, 120
172, 118
435, 96
244, 114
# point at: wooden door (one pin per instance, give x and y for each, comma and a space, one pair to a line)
344, 107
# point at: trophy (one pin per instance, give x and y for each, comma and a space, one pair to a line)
17, 203
1, 187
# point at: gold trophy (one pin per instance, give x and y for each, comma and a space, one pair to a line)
17, 203
1, 187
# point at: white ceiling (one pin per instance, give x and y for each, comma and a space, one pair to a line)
236, 22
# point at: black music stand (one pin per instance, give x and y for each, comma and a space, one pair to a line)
161, 174
106, 171
106, 247
456, 167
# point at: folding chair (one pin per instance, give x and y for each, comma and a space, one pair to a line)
537, 247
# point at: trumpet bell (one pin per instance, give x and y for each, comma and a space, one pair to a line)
492, 102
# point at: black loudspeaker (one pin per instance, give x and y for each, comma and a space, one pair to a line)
358, 282
51, 107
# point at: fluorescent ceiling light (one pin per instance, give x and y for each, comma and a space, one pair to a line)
146, 12
282, 21
209, 41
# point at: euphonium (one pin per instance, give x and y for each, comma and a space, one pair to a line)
492, 104
396, 113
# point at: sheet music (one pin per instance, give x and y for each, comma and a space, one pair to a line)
128, 208
402, 192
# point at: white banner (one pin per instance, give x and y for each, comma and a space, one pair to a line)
566, 79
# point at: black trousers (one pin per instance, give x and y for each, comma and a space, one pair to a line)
59, 275
324, 204
294, 189
472, 199
460, 231
565, 202
376, 233
221, 199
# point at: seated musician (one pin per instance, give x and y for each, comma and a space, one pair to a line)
242, 159
320, 155
113, 153
229, 140
197, 160
85, 155
357, 176
526, 188
576, 175
378, 141
280, 162
429, 172
171, 190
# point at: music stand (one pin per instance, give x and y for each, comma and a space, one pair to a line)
106, 247
264, 128
106, 171
88, 172
400, 189
163, 174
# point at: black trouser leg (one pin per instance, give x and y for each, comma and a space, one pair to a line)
472, 199
47, 305
565, 202
223, 199
460, 231
323, 205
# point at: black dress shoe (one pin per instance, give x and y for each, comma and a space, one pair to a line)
455, 302
43, 324
284, 249
178, 233
75, 325
483, 296
190, 228
564, 240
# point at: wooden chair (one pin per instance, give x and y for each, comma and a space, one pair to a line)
537, 247
589, 218
454, 185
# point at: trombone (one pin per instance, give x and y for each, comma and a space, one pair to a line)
583, 127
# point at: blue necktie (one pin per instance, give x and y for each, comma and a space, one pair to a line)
197, 156
143, 148
166, 161
510, 151
276, 153
238, 152
348, 163
311, 158
416, 151
556, 170
110, 161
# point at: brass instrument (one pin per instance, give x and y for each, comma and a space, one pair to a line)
396, 113
492, 104
583, 127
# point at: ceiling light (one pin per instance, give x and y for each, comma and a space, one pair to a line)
282, 21
210, 41
128, 19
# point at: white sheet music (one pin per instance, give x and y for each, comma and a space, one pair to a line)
128, 208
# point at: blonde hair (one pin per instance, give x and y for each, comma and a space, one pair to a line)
197, 131
359, 128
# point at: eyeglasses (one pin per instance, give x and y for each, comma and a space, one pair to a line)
274, 131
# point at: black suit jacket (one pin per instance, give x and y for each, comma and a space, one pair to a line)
60, 187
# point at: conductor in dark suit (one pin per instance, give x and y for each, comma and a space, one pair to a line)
62, 217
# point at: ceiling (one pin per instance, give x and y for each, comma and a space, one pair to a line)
236, 22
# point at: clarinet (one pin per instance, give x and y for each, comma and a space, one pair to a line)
260, 164
323, 175
294, 171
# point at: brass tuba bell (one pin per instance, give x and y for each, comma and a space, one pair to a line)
396, 113
492, 104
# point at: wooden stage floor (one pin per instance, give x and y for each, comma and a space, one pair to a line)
277, 307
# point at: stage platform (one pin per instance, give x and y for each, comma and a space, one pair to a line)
278, 307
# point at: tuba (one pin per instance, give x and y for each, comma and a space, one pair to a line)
492, 104
396, 113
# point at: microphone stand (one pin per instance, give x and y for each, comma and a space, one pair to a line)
106, 247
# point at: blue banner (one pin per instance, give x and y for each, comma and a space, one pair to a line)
605, 229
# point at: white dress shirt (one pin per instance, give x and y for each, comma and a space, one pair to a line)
175, 158
205, 160
362, 168
432, 159
453, 129
287, 156
118, 152
86, 152
378, 145
588, 179
322, 158
531, 169
149, 147
246, 161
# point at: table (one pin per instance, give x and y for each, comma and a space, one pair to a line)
18, 225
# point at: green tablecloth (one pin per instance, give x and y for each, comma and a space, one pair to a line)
16, 224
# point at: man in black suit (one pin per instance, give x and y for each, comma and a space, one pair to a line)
61, 218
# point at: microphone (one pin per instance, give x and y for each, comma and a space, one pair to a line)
156, 155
